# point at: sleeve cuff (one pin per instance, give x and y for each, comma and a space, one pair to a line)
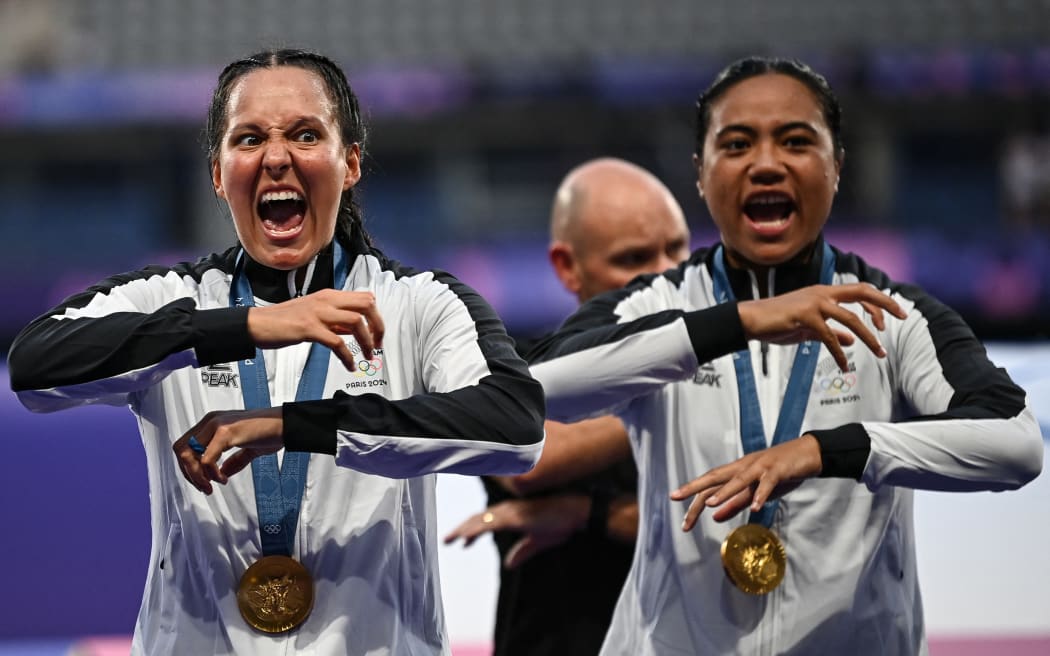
221, 335
844, 451
715, 332
309, 426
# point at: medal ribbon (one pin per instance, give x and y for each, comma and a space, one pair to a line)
796, 396
279, 490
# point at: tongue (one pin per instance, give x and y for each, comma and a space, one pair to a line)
768, 211
281, 214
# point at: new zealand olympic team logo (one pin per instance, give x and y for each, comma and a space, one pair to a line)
834, 386
841, 384
368, 368
368, 373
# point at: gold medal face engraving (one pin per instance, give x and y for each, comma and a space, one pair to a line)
754, 559
276, 594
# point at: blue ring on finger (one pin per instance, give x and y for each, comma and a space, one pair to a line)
195, 445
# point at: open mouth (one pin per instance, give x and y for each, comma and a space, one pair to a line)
770, 210
282, 212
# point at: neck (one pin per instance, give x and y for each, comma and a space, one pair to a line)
737, 261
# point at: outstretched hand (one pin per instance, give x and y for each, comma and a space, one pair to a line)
804, 313
321, 317
751, 480
256, 432
545, 521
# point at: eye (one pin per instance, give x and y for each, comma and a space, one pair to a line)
632, 259
798, 141
736, 144
307, 136
248, 140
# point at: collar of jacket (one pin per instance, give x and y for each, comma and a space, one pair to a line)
800, 271
271, 285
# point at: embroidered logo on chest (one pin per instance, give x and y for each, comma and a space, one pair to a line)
367, 373
219, 375
833, 386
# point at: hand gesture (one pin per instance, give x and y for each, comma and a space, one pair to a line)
751, 480
545, 521
256, 432
803, 315
322, 317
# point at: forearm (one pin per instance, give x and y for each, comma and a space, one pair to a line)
571, 452
66, 358
600, 370
494, 427
955, 454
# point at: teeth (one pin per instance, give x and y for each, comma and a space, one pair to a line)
769, 199
272, 196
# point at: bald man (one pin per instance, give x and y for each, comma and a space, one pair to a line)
566, 529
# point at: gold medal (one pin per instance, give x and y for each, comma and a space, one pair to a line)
754, 559
276, 594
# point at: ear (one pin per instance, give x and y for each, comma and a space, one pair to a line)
216, 179
697, 164
353, 166
564, 262
839, 161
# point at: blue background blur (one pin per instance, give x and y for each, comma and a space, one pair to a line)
477, 109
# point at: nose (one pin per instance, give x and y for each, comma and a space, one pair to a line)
767, 166
276, 159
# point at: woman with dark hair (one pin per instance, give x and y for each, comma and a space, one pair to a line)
807, 444
346, 379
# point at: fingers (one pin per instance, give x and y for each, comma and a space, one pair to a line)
856, 326
733, 505
474, 527
752, 480
256, 432
342, 351
322, 317
237, 462
703, 487
189, 462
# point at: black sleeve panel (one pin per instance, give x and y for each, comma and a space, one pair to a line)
716, 331
53, 351
843, 451
505, 406
713, 332
58, 352
221, 335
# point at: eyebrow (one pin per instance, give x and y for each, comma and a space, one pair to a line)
295, 124
780, 129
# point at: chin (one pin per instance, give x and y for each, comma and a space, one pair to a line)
282, 258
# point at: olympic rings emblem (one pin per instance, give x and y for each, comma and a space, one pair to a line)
838, 384
368, 367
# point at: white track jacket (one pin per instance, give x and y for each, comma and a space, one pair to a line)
934, 414
446, 394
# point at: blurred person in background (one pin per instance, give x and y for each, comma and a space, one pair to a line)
565, 530
344, 377
798, 446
